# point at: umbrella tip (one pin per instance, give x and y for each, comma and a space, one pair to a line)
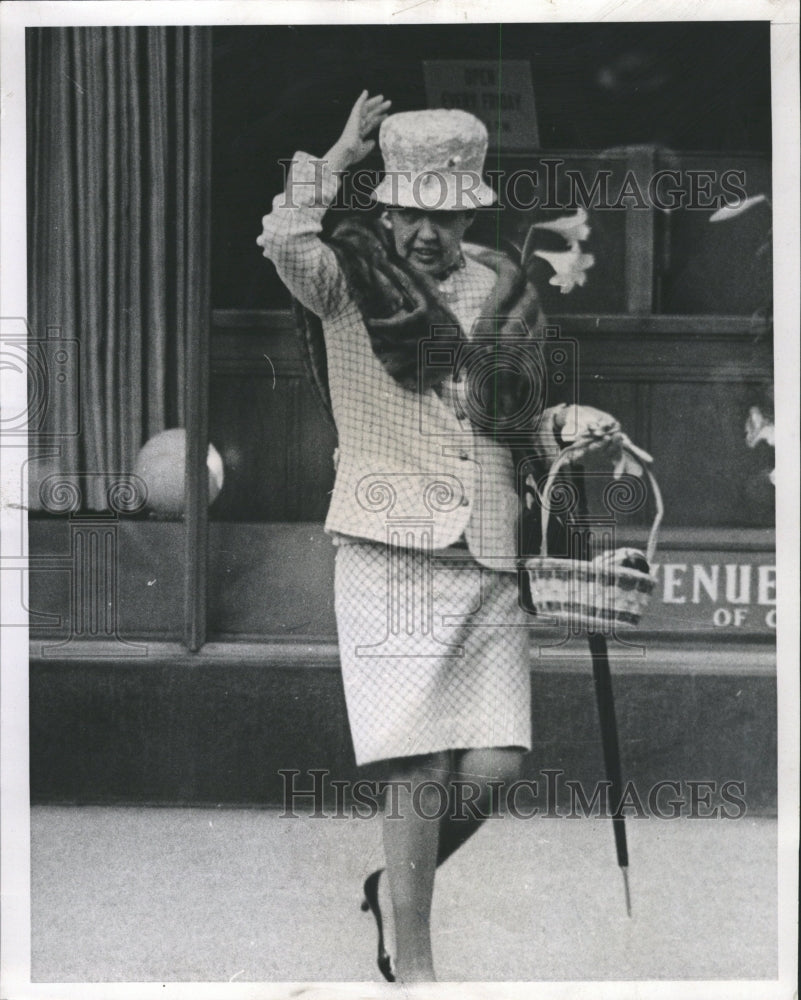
625, 871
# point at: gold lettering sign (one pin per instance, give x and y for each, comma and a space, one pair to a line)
717, 590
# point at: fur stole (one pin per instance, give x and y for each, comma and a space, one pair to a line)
400, 306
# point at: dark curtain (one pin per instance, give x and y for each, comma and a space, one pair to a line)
114, 195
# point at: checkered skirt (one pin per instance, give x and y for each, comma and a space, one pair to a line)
433, 649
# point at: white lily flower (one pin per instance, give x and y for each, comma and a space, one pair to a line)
732, 211
572, 227
758, 428
569, 266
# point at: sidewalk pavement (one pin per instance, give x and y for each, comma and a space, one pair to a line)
140, 894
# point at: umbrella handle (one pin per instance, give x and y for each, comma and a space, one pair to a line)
565, 456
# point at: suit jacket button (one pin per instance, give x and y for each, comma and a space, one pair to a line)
465, 502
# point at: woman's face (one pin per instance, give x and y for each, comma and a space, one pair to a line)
429, 241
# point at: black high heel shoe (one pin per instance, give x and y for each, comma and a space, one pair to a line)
370, 902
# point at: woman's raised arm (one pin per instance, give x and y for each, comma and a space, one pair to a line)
291, 231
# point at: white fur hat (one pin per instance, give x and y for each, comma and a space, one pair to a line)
433, 161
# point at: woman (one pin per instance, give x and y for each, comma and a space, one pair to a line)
425, 507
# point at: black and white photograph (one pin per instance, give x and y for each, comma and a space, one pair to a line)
399, 454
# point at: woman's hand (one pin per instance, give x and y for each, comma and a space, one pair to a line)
353, 145
596, 438
585, 425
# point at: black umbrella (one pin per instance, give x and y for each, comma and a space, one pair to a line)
579, 547
604, 697
580, 523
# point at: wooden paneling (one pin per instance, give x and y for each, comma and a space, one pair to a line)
640, 228
680, 386
710, 477
277, 580
266, 423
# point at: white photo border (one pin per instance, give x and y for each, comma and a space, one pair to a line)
14, 807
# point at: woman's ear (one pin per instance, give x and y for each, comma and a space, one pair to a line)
386, 221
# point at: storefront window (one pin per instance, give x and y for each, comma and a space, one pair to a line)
672, 325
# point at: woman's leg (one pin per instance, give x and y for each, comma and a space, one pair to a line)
472, 796
411, 837
419, 835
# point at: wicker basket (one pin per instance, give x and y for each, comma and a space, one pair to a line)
586, 595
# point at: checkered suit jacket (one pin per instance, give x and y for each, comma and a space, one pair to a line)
410, 468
